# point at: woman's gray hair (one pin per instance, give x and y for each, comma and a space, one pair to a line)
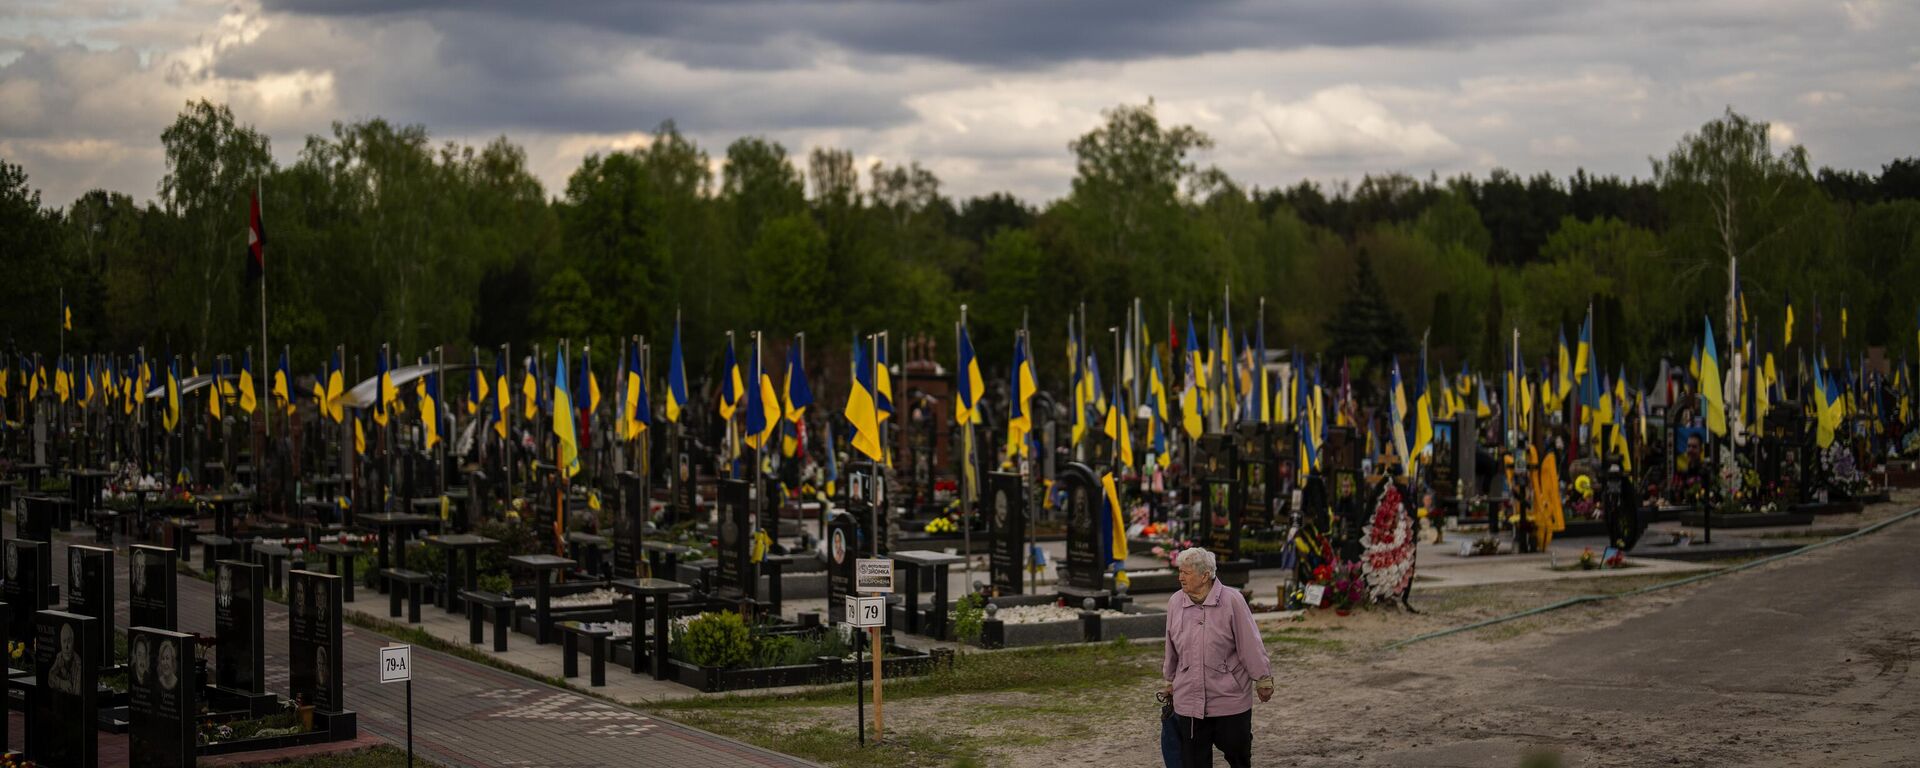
1196, 558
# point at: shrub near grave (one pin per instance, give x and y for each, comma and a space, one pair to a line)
716, 640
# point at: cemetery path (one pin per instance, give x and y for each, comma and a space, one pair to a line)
467, 714
1809, 661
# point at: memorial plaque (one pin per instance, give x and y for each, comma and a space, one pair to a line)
90, 589
314, 638
161, 701
735, 575
239, 658
1007, 521
152, 599
843, 543
1084, 566
61, 715
28, 586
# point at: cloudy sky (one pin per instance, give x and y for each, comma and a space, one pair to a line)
987, 93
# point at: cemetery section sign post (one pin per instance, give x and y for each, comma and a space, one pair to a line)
396, 666
871, 575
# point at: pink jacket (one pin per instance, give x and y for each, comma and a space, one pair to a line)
1214, 653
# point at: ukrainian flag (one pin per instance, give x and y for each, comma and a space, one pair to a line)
860, 410
970, 383
1019, 418
676, 379
563, 419
1710, 385
1196, 383
731, 388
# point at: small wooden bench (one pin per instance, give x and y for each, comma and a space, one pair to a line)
481, 604
599, 646
414, 582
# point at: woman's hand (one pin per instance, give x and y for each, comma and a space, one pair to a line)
1264, 688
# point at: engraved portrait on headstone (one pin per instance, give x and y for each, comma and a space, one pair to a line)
65, 675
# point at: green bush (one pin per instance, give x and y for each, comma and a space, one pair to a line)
516, 538
498, 583
967, 617
717, 639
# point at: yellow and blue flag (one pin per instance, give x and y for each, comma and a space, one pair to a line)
970, 384
569, 457
860, 411
1019, 418
676, 379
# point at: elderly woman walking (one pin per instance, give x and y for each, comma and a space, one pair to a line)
1215, 665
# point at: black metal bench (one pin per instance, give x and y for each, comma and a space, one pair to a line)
599, 646
273, 556
499, 606
341, 560
213, 548
414, 581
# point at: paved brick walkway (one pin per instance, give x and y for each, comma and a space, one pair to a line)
467, 714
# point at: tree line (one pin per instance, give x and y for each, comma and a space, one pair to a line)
378, 234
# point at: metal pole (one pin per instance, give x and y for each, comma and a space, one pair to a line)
967, 465
410, 719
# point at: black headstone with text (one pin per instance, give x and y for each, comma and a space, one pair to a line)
90, 588
239, 651
843, 547
1221, 495
629, 524
152, 595
28, 586
37, 520
61, 712
735, 575
161, 702
1007, 521
314, 639
6, 726
684, 501
1084, 567
1466, 456
1255, 470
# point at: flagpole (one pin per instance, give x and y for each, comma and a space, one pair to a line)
258, 193
967, 467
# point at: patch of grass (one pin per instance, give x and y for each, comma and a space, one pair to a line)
1301, 638
1057, 670
840, 746
372, 757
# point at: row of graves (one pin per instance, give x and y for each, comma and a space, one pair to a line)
178, 696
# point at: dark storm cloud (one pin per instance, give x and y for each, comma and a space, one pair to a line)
992, 33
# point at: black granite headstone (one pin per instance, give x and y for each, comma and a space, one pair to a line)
1007, 509
38, 521
28, 585
161, 701
6, 724
90, 588
1220, 498
61, 710
152, 597
629, 524
843, 547
735, 575
239, 658
314, 639
1083, 529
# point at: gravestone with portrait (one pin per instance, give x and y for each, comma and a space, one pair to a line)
843, 547
735, 575
239, 658
90, 589
152, 597
1007, 521
1085, 571
1220, 494
314, 639
1254, 468
161, 701
28, 586
61, 712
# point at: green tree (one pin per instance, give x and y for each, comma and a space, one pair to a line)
213, 166
786, 276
